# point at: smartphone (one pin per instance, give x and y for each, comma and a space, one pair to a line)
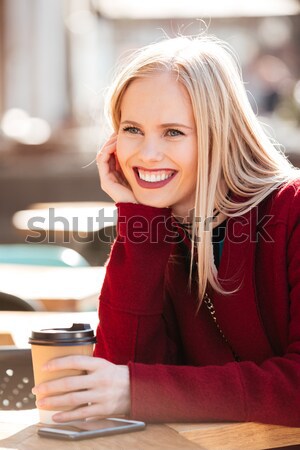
77, 430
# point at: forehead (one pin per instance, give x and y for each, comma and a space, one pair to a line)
160, 93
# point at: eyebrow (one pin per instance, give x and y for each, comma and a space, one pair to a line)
163, 125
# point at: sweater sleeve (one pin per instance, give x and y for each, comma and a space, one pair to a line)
132, 297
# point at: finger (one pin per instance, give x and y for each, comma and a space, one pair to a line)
111, 141
105, 161
109, 147
80, 362
65, 384
113, 135
103, 157
111, 138
116, 170
69, 400
84, 412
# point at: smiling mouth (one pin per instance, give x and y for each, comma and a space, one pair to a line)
153, 178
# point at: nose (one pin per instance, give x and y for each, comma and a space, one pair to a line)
150, 151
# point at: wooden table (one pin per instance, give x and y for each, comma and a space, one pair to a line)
18, 428
22, 435
18, 431
238, 435
54, 288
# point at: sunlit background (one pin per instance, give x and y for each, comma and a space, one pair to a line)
57, 58
56, 61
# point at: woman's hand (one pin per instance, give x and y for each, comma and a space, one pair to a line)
112, 180
104, 390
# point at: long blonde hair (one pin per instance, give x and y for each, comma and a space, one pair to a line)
233, 148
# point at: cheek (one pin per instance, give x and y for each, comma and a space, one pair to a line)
187, 159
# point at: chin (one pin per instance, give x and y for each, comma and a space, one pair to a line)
156, 203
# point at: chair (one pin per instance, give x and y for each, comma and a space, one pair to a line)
9, 302
16, 379
41, 255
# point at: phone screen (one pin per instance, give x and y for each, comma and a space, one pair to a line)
90, 428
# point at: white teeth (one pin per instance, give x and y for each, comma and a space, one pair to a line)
151, 177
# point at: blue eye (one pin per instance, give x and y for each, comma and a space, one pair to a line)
174, 133
131, 130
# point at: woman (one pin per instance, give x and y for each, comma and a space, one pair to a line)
199, 311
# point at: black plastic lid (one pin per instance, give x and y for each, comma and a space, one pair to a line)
77, 334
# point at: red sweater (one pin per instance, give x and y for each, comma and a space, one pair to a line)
180, 367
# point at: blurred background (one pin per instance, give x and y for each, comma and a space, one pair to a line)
56, 61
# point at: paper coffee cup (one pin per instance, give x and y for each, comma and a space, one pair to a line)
47, 344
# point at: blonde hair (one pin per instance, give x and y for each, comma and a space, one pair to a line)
232, 146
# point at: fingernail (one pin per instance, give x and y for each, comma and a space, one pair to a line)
40, 403
57, 418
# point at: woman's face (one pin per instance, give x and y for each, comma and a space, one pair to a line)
157, 143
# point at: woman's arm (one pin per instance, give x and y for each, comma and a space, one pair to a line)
133, 298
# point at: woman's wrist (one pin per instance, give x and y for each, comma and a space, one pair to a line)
124, 398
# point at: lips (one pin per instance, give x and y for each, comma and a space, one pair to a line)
153, 179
